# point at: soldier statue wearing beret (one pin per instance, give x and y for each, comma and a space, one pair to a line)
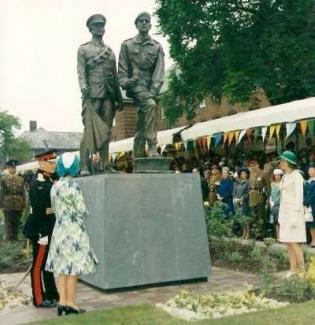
12, 200
100, 94
141, 74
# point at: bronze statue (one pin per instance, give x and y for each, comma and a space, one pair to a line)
101, 95
141, 74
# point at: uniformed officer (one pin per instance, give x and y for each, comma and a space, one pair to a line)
39, 228
141, 74
101, 94
259, 187
12, 200
213, 183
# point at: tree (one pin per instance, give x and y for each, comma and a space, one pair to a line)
10, 146
233, 48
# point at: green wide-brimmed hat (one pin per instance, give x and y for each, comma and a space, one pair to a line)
288, 156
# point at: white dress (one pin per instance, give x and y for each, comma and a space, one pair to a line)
291, 218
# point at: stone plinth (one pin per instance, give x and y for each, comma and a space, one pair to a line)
152, 165
145, 229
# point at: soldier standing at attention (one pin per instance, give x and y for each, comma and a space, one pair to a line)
12, 200
259, 187
141, 74
101, 95
38, 228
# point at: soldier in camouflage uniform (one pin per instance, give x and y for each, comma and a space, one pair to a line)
100, 93
141, 74
259, 187
12, 200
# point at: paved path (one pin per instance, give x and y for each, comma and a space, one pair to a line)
93, 299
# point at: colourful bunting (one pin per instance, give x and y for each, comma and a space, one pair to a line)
178, 146
217, 138
209, 141
249, 133
264, 132
311, 127
303, 125
290, 127
225, 137
278, 128
186, 145
241, 135
272, 129
231, 137
256, 133
237, 133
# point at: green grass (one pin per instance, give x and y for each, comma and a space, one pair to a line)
297, 314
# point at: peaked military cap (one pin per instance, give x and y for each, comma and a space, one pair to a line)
46, 155
97, 18
12, 163
144, 13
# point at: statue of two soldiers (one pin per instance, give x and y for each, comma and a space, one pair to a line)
140, 73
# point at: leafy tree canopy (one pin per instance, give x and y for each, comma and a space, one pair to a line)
10, 146
234, 47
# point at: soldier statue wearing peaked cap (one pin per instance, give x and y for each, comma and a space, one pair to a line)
101, 94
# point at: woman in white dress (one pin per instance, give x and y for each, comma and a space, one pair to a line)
291, 217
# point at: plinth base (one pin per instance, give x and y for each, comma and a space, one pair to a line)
145, 229
152, 165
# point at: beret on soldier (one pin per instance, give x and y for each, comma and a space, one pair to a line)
97, 18
144, 13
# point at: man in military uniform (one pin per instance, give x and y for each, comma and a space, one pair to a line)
38, 228
259, 187
12, 200
141, 74
100, 94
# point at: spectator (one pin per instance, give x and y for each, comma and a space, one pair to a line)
291, 218
240, 197
70, 252
274, 200
225, 191
213, 183
309, 200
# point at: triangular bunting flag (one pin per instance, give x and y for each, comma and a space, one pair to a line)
178, 146
209, 141
290, 127
264, 132
249, 135
241, 135
272, 129
186, 145
278, 128
303, 125
194, 143
225, 137
163, 147
311, 127
256, 133
217, 138
205, 142
231, 137
237, 133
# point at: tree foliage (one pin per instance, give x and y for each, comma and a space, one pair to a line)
10, 146
232, 48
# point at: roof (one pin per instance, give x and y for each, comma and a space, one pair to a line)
41, 139
289, 112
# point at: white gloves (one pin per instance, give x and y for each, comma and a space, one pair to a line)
43, 241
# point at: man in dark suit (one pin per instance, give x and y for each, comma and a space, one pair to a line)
100, 94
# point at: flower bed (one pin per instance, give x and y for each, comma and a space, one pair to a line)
190, 306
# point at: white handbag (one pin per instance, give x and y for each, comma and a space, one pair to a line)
308, 216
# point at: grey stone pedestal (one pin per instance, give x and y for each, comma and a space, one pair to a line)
152, 165
145, 229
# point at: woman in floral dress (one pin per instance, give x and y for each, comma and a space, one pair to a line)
70, 253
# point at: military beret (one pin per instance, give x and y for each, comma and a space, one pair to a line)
97, 18
12, 163
46, 155
144, 13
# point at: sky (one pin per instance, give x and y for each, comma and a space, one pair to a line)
39, 41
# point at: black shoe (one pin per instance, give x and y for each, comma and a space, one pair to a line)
61, 310
71, 310
48, 303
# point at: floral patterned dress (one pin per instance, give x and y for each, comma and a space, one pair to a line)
70, 252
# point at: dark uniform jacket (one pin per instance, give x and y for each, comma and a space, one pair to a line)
12, 193
309, 195
97, 71
259, 188
39, 223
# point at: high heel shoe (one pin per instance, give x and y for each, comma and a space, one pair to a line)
71, 310
61, 309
